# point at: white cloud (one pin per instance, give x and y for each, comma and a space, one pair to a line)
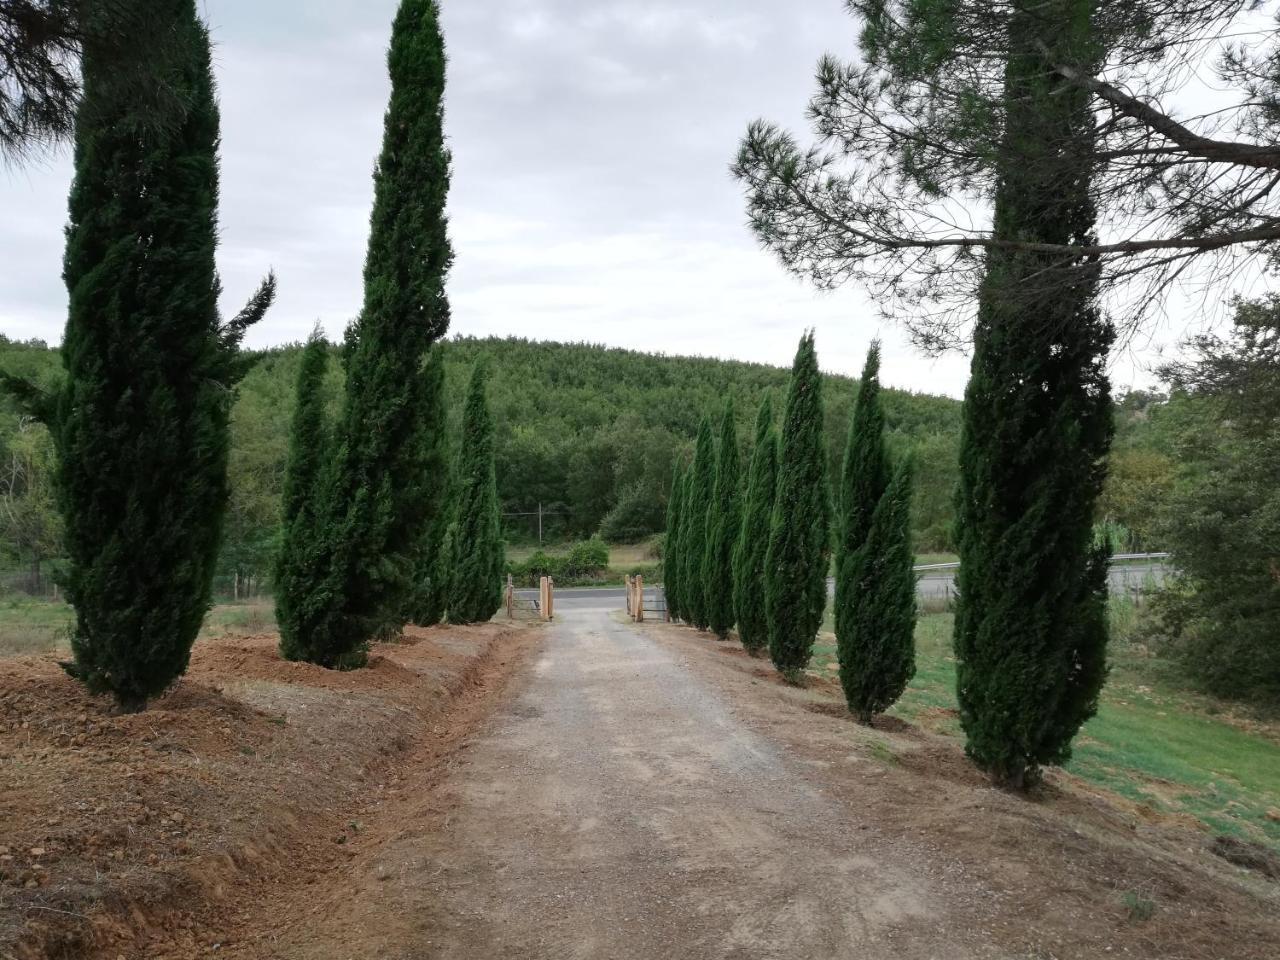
590, 200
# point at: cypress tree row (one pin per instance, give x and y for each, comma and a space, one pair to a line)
377, 511
799, 532
876, 643
693, 533
430, 567
302, 565
141, 419
1031, 628
671, 547
723, 522
875, 601
753, 538
475, 588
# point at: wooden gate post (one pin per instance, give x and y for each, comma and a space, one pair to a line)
627, 580
551, 598
511, 599
639, 598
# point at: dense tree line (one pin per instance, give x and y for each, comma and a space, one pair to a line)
589, 432
755, 552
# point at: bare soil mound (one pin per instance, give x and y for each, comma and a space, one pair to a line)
124, 835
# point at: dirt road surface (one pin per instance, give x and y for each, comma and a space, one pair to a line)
644, 793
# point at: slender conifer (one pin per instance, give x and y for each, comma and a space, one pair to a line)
429, 592
863, 482
302, 565
693, 532
141, 420
1031, 624
475, 587
377, 514
875, 599
876, 644
753, 538
671, 545
723, 522
800, 534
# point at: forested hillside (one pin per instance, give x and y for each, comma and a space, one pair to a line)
588, 432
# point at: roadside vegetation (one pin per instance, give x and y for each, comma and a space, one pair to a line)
1154, 740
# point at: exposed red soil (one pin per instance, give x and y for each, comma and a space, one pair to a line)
137, 835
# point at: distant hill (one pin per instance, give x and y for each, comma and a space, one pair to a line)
589, 432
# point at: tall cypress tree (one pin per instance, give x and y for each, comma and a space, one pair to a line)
753, 537
865, 478
475, 589
302, 568
693, 533
382, 490
141, 419
875, 599
429, 594
671, 547
1031, 627
799, 532
875, 641
724, 520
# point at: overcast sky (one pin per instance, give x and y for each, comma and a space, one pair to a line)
591, 197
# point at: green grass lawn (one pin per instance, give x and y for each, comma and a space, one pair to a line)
620, 555
1152, 741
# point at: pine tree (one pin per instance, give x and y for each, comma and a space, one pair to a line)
671, 547
753, 538
724, 520
141, 420
475, 589
693, 533
876, 643
799, 532
1031, 628
377, 514
302, 566
429, 595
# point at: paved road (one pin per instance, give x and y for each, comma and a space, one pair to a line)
617, 809
933, 584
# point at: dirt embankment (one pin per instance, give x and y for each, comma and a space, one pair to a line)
132, 836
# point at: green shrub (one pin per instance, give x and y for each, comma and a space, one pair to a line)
587, 558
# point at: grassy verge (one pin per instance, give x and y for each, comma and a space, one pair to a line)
30, 625
1152, 741
620, 555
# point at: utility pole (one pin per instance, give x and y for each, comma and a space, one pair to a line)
539, 523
